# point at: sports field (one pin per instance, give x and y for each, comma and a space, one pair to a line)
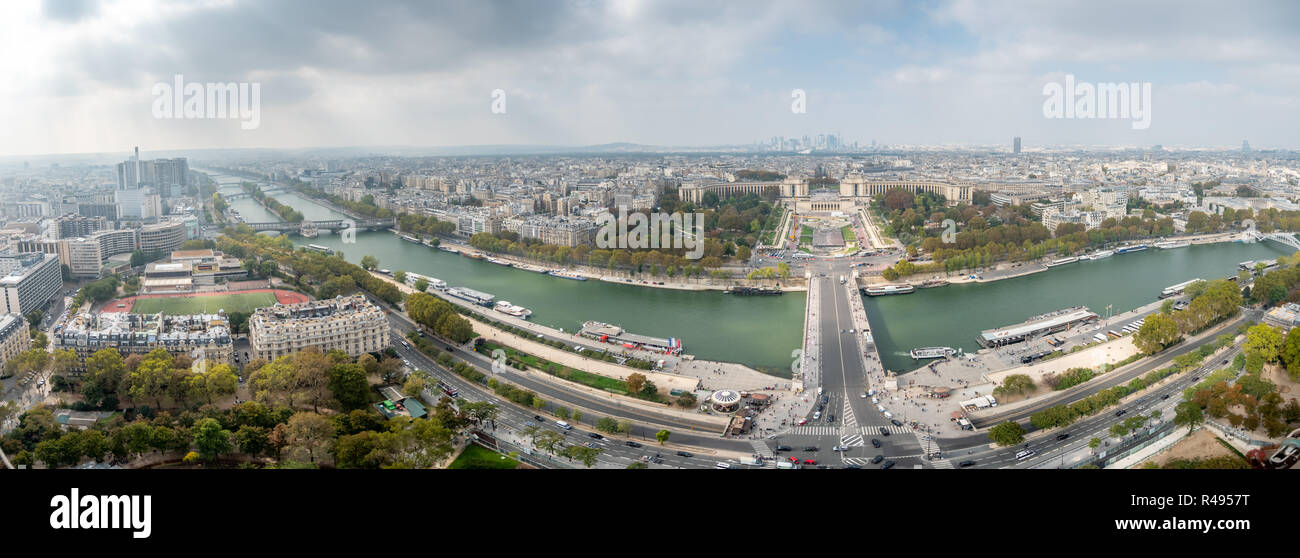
239, 302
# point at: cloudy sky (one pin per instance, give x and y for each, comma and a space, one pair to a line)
80, 75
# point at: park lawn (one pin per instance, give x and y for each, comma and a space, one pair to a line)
479, 457
239, 302
847, 232
805, 234
560, 371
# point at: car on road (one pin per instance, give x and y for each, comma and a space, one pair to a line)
825, 399
803, 421
810, 448
784, 448
1120, 412
830, 418
883, 431
817, 415
966, 463
1060, 437
539, 418
794, 459
895, 422
810, 462
887, 465
1165, 396
1024, 454
685, 454
563, 425
875, 443
632, 444
589, 444
864, 396
877, 459
596, 436
840, 448
852, 466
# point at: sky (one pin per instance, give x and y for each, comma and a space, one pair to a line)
82, 76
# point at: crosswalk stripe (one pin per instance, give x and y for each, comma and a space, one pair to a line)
870, 430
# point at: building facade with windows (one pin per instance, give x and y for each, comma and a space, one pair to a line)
350, 324
29, 281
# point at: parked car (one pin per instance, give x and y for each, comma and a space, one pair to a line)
887, 465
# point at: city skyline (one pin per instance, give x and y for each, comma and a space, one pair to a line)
652, 74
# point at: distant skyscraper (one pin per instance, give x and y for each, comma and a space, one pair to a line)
1245, 146
1016, 147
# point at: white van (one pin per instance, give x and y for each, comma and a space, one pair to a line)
889, 415
880, 408
563, 425
722, 465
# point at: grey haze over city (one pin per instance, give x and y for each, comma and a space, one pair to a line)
80, 75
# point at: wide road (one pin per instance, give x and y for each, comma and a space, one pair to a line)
843, 380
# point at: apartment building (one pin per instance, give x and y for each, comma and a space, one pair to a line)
350, 324
14, 337
30, 280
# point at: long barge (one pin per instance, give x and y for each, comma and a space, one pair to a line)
606, 333
882, 290
752, 291
1053, 322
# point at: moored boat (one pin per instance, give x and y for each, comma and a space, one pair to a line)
566, 274
932, 352
505, 307
1062, 261
881, 290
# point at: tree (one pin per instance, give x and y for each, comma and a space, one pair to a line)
1093, 443
1188, 414
662, 436
607, 425
635, 381
210, 439
252, 440
1157, 332
637, 465
1009, 433
1264, 340
421, 284
483, 411
400, 276
1291, 353
369, 262
347, 382
307, 436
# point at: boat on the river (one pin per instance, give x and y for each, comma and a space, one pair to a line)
1170, 245
1062, 261
566, 274
739, 290
881, 290
1131, 249
505, 307
932, 352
